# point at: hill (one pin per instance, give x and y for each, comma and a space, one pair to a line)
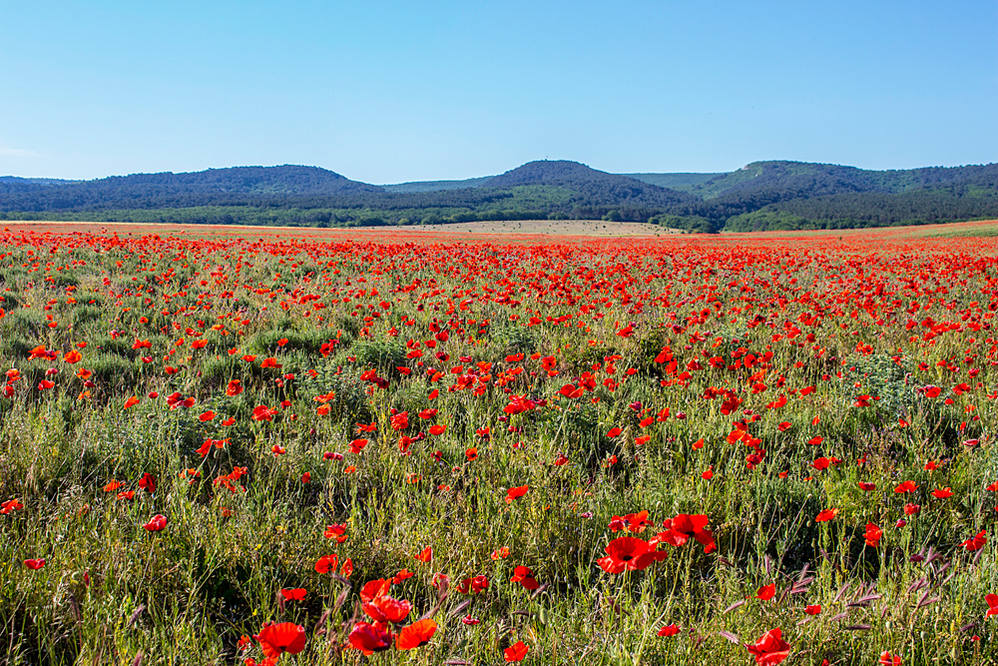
809, 179
760, 195
596, 186
230, 186
806, 195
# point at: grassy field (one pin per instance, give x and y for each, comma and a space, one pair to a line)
251, 446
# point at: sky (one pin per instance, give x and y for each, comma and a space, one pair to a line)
395, 91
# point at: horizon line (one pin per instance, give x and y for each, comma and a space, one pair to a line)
434, 180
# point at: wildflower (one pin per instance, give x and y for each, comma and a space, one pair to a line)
416, 634
629, 553
515, 652
770, 649
276, 639
369, 638
156, 523
668, 630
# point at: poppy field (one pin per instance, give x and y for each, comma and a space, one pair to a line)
273, 449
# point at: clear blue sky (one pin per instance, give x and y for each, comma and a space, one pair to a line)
386, 92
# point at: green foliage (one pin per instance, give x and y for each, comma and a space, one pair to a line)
760, 196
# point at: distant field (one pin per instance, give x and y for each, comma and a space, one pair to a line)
509, 230
598, 228
983, 229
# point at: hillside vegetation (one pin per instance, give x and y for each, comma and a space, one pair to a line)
759, 196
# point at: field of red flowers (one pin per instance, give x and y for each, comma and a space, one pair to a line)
261, 448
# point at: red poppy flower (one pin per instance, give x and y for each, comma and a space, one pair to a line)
369, 638
34, 564
826, 515
294, 594
374, 588
873, 534
276, 639
337, 532
416, 634
156, 523
682, 527
571, 391
473, 585
400, 421
524, 576
263, 413
387, 609
148, 483
514, 493
668, 630
770, 649
629, 553
516, 652
975, 543
402, 576
766, 592
992, 602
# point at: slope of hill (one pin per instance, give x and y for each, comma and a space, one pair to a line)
436, 185
809, 179
15, 180
231, 186
829, 196
594, 187
682, 182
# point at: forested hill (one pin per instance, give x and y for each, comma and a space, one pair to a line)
236, 185
765, 195
760, 195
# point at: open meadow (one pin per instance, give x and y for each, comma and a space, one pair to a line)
484, 445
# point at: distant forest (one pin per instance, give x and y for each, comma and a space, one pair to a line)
759, 196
